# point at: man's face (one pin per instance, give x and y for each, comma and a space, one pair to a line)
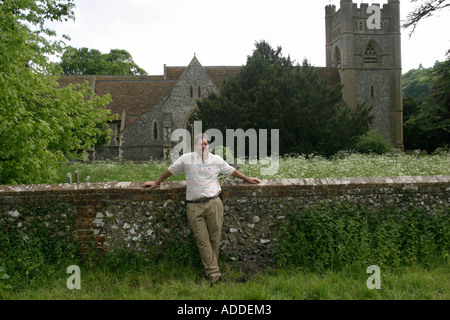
202, 146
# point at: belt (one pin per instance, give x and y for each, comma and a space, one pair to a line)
202, 199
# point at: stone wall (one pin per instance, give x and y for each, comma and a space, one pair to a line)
124, 214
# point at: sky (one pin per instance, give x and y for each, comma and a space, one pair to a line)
223, 33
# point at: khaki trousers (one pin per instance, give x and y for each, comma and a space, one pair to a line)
206, 220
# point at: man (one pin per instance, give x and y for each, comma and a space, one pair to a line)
204, 207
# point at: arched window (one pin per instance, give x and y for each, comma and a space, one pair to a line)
372, 91
371, 53
155, 130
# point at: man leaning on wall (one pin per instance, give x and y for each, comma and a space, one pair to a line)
204, 207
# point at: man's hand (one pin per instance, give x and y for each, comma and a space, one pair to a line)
242, 176
152, 184
149, 184
253, 180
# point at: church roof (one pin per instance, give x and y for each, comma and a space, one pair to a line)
138, 94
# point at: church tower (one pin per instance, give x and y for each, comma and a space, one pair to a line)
364, 44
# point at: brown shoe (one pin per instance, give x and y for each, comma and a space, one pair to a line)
215, 277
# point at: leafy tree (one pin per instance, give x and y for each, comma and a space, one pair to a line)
416, 84
40, 123
270, 92
423, 11
427, 124
84, 61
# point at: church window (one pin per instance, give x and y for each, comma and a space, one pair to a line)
192, 92
371, 54
199, 91
372, 91
155, 130
361, 26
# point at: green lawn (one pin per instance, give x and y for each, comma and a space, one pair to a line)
188, 283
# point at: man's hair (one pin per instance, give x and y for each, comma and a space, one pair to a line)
201, 136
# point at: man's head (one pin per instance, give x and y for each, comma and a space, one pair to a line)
201, 144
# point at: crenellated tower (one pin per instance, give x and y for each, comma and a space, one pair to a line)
367, 54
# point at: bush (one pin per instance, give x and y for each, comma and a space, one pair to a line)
373, 142
34, 236
339, 234
224, 152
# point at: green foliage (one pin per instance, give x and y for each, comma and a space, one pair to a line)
333, 235
343, 164
416, 84
40, 123
224, 152
427, 122
3, 278
84, 61
34, 236
373, 142
270, 92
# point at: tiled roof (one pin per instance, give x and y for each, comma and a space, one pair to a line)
137, 94
219, 74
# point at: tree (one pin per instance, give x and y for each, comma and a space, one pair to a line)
84, 61
427, 124
270, 92
423, 11
416, 83
40, 123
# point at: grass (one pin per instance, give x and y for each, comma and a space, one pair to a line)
342, 165
187, 283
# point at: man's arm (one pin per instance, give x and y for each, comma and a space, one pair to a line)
152, 184
240, 175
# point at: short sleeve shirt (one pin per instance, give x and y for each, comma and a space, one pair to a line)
201, 175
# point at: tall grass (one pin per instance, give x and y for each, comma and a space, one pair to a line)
156, 282
341, 165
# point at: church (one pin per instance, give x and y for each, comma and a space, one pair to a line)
366, 61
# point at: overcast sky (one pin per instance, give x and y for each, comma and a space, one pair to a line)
223, 32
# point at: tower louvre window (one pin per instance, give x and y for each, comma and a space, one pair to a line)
370, 54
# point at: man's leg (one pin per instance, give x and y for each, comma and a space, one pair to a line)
214, 221
196, 214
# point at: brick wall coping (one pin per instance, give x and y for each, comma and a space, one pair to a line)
135, 187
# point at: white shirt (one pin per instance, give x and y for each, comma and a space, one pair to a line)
201, 175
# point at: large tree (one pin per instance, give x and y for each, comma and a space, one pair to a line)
41, 123
84, 61
427, 123
424, 10
271, 92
